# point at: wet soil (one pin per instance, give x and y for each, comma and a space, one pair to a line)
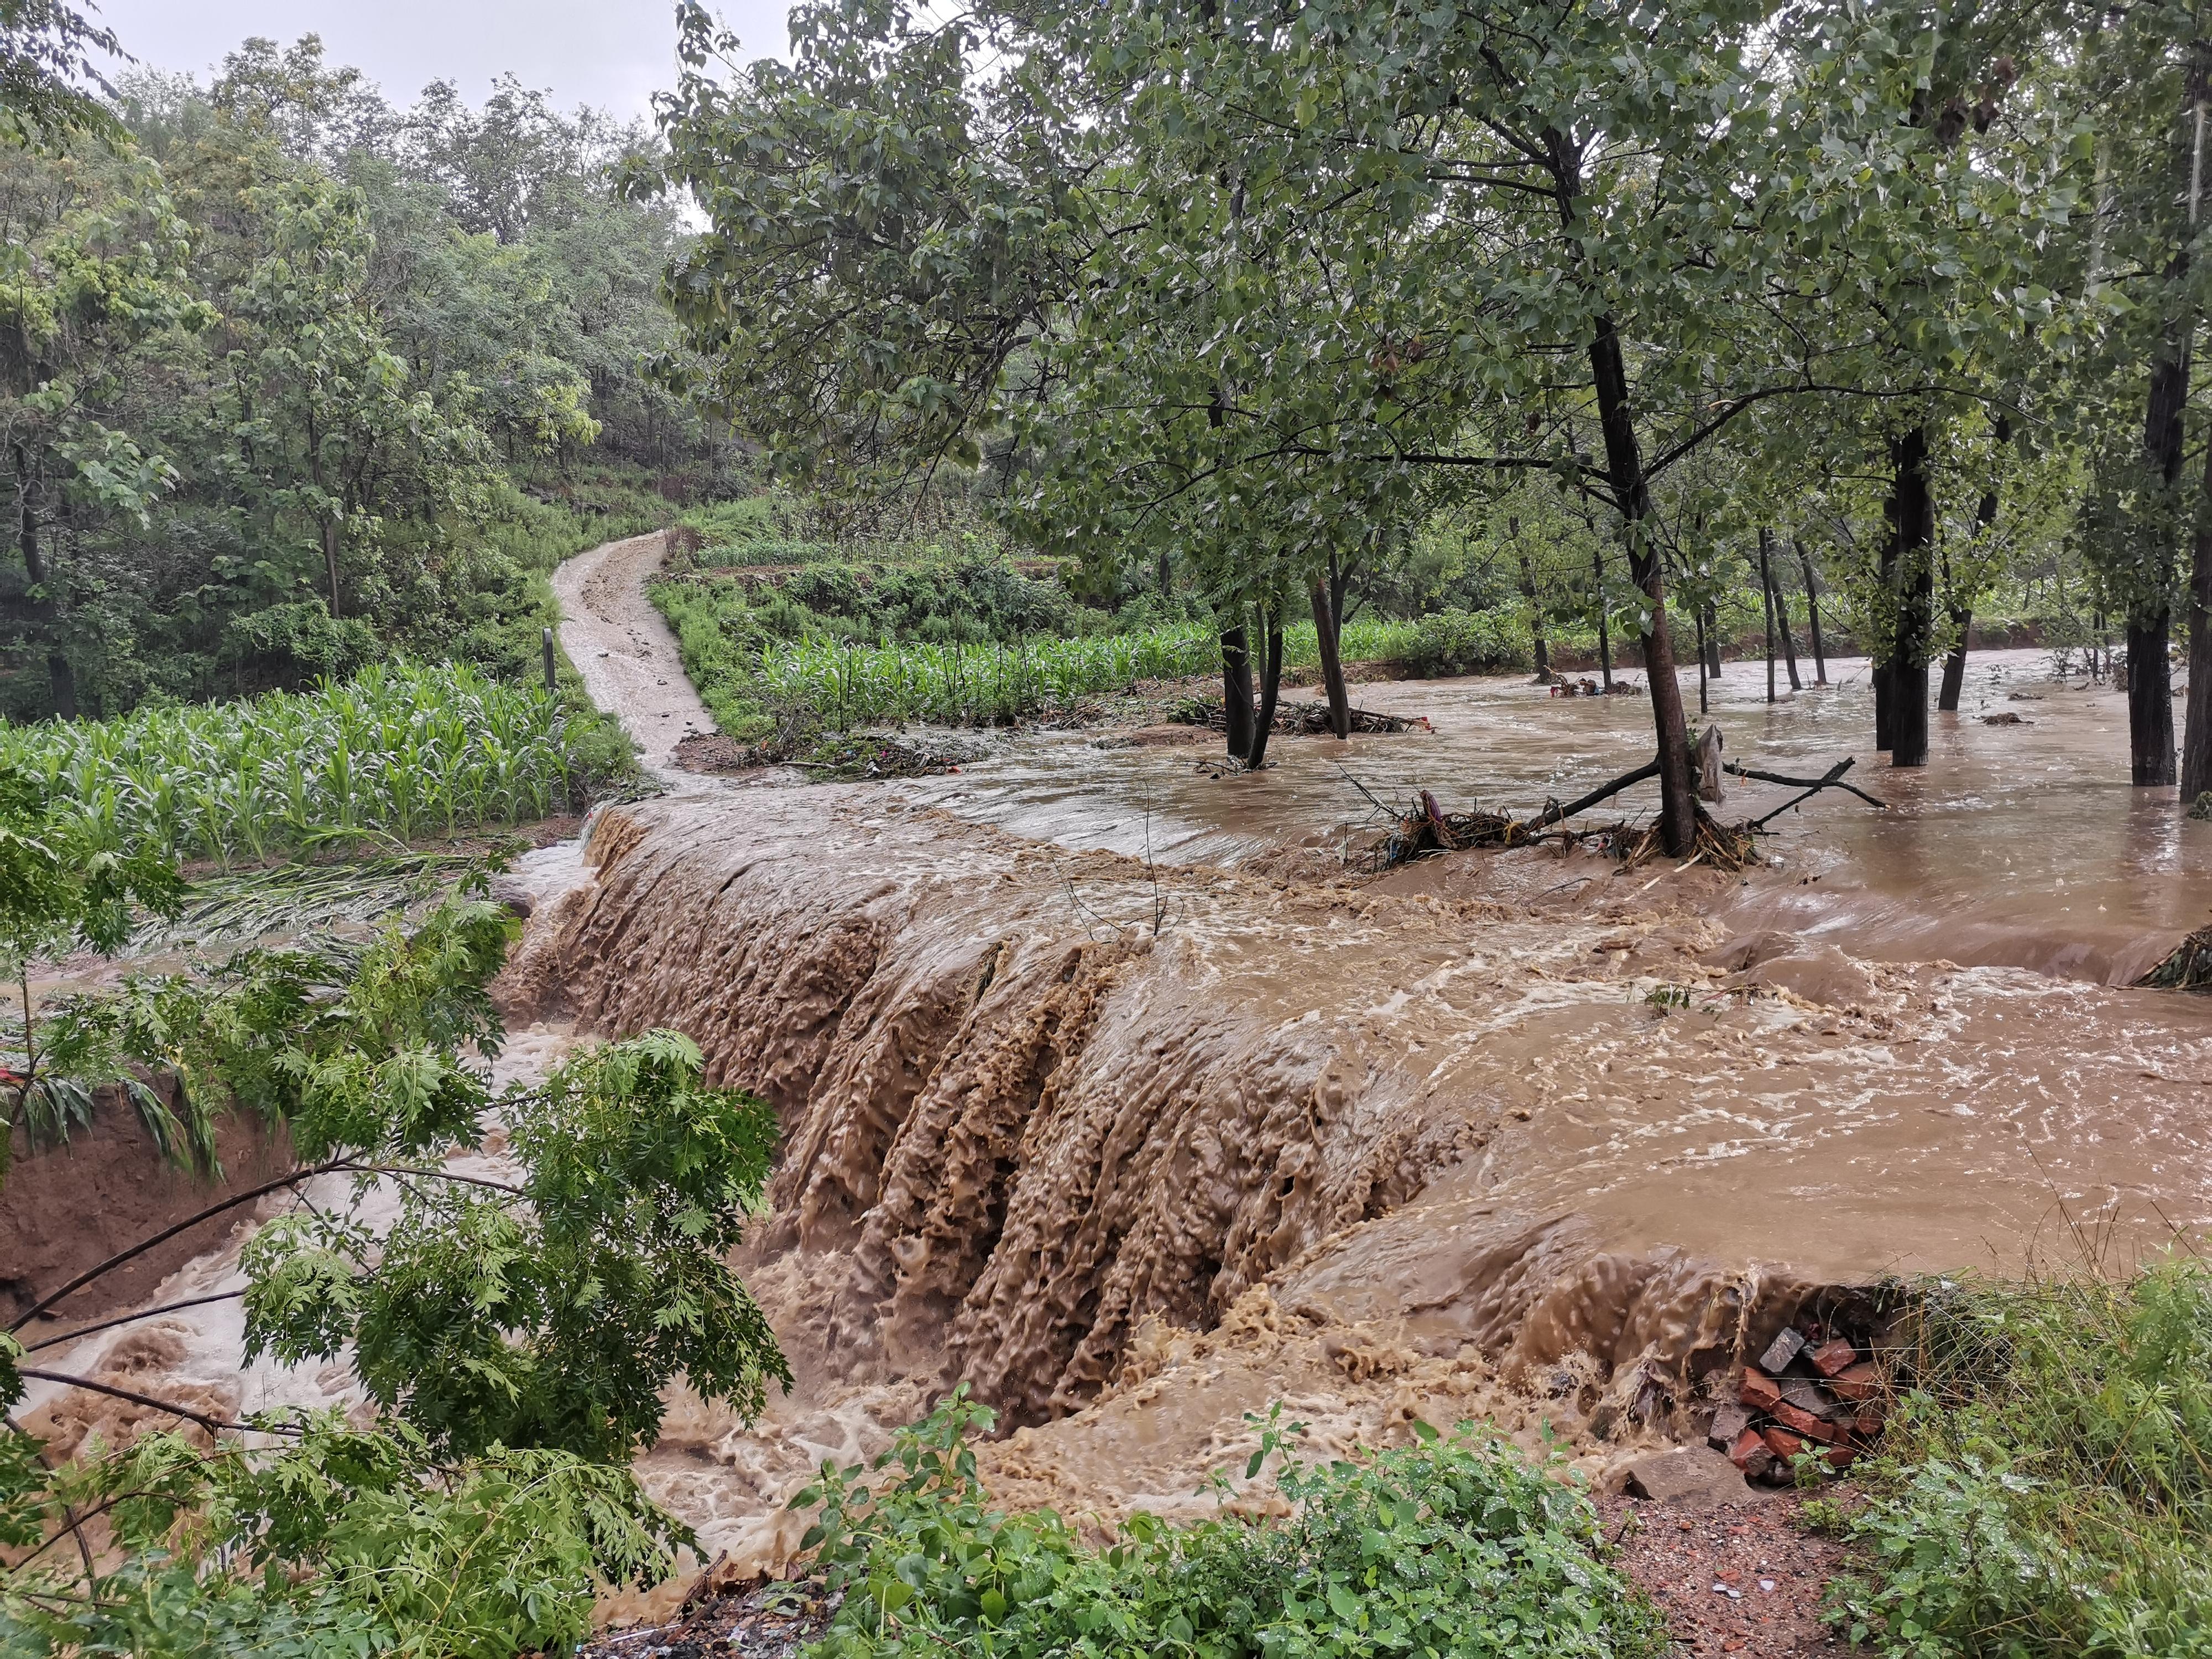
622, 648
1747, 1578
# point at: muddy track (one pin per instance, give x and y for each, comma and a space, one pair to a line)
624, 649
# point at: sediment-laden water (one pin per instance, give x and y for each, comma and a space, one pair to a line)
1140, 1144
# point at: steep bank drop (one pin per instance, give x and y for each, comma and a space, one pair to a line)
1045, 1110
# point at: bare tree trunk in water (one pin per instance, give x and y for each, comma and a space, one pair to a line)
61, 677
1766, 596
2150, 687
1962, 615
1604, 638
1813, 614
1709, 620
2150, 684
1331, 660
1536, 610
1270, 680
1704, 678
1914, 569
1236, 690
2196, 751
1782, 626
1678, 794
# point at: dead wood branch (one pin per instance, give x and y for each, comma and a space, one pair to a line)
1833, 779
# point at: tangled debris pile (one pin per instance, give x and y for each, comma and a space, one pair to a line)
1301, 719
847, 757
1424, 828
769, 1620
2189, 969
1817, 1390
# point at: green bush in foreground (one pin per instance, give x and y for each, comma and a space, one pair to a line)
1452, 1546
511, 1328
2047, 1484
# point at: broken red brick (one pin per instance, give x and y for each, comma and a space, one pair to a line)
1830, 1358
1859, 1382
1804, 1422
1840, 1457
1750, 1453
1758, 1391
1782, 1443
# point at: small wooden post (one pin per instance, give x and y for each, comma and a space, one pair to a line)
545, 640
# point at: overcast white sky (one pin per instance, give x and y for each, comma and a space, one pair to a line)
613, 54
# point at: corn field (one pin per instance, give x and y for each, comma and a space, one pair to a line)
855, 685
395, 753
851, 683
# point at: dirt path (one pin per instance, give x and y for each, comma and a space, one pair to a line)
624, 649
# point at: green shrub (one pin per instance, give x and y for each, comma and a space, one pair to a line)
2046, 1487
1451, 1546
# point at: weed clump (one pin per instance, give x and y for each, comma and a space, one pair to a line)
1453, 1544
2046, 1487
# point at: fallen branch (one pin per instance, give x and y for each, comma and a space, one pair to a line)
1833, 779
1554, 813
212, 1424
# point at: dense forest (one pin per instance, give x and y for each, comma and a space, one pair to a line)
293, 379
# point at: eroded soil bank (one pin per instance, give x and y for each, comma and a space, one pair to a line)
1138, 1149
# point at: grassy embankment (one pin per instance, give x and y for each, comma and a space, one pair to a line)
2046, 1486
775, 628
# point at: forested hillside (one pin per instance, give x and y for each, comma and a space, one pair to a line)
293, 379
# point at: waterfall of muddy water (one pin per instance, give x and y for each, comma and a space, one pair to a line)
2018, 845
1136, 1150
1139, 1148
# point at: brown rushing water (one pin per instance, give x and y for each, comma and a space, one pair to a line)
1138, 1150
2021, 845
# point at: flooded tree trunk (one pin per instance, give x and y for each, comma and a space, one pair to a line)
1704, 679
1678, 795
1270, 680
1709, 620
2149, 623
1962, 615
2150, 701
1789, 644
1604, 637
1332, 658
1914, 573
1766, 597
1813, 614
1954, 664
1535, 609
1236, 690
2196, 740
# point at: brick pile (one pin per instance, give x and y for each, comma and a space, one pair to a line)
1816, 1389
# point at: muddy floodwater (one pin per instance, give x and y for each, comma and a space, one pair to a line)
1106, 1086
2019, 844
